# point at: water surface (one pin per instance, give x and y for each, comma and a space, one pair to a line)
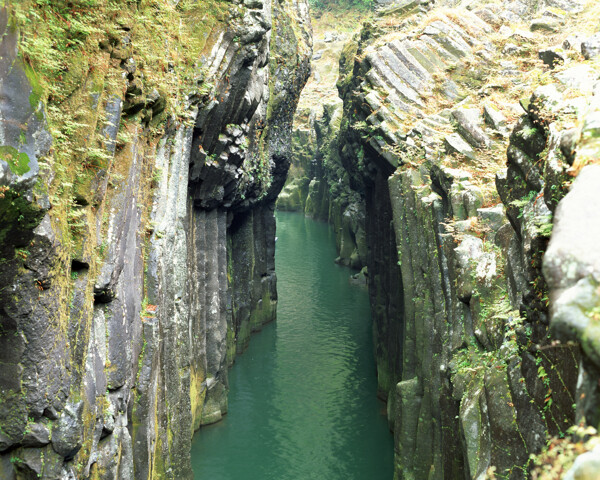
302, 404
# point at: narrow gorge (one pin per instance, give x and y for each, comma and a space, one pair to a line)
144, 148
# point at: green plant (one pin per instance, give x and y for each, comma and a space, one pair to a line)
523, 201
22, 253
157, 174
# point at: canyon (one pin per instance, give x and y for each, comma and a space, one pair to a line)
145, 146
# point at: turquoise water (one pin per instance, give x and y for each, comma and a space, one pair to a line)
302, 404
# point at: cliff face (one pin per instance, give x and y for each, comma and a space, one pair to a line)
462, 132
143, 146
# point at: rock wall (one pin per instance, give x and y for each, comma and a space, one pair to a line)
462, 137
137, 240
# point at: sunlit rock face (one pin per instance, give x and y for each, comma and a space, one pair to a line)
137, 231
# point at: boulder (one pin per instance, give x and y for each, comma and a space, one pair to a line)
545, 24
590, 48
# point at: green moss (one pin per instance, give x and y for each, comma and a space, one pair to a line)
384, 376
243, 336
159, 471
231, 345
17, 215
346, 65
36, 88
18, 162
263, 313
13, 414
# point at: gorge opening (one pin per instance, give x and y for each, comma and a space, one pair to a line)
302, 399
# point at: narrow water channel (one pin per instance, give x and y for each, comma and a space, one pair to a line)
302, 404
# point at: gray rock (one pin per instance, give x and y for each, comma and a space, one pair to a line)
554, 12
111, 125
38, 463
503, 236
36, 435
454, 143
510, 49
468, 124
590, 48
572, 253
545, 24
475, 429
256, 4
545, 103
24, 135
493, 217
7, 471
572, 6
488, 16
568, 144
400, 7
572, 42
582, 77
67, 436
572, 263
468, 254
521, 35
494, 118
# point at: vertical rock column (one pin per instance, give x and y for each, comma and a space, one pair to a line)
253, 279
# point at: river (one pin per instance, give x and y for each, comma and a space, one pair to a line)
302, 403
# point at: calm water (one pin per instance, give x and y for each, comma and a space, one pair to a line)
302, 403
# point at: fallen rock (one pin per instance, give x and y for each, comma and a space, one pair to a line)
582, 77
510, 49
494, 118
329, 37
36, 435
572, 6
545, 24
467, 254
572, 42
494, 217
67, 437
454, 143
554, 12
521, 34
468, 124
